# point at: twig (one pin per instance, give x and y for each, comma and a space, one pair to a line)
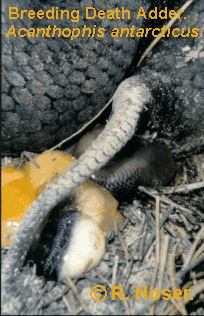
164, 199
133, 211
71, 301
124, 224
151, 221
116, 227
176, 305
95, 280
192, 219
183, 234
195, 290
38, 298
199, 168
163, 258
127, 309
66, 302
142, 244
149, 265
163, 219
123, 246
53, 299
185, 188
88, 264
153, 284
28, 155
163, 261
171, 310
186, 223
179, 304
74, 289
192, 250
183, 272
129, 267
198, 252
79, 310
170, 230
185, 177
190, 206
149, 252
105, 281
157, 230
83, 128
180, 275
115, 268
128, 231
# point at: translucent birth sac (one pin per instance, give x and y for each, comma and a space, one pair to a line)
51, 165
17, 195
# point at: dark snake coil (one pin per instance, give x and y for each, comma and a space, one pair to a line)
138, 163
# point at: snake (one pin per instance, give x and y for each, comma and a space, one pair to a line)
137, 163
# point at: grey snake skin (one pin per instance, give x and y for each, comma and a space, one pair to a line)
52, 86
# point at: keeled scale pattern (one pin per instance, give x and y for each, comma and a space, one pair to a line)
53, 86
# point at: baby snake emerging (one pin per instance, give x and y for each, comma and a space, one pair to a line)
138, 163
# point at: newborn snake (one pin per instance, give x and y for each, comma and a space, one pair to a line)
138, 163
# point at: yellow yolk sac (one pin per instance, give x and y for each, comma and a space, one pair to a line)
99, 204
86, 141
51, 165
20, 188
10, 173
16, 197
